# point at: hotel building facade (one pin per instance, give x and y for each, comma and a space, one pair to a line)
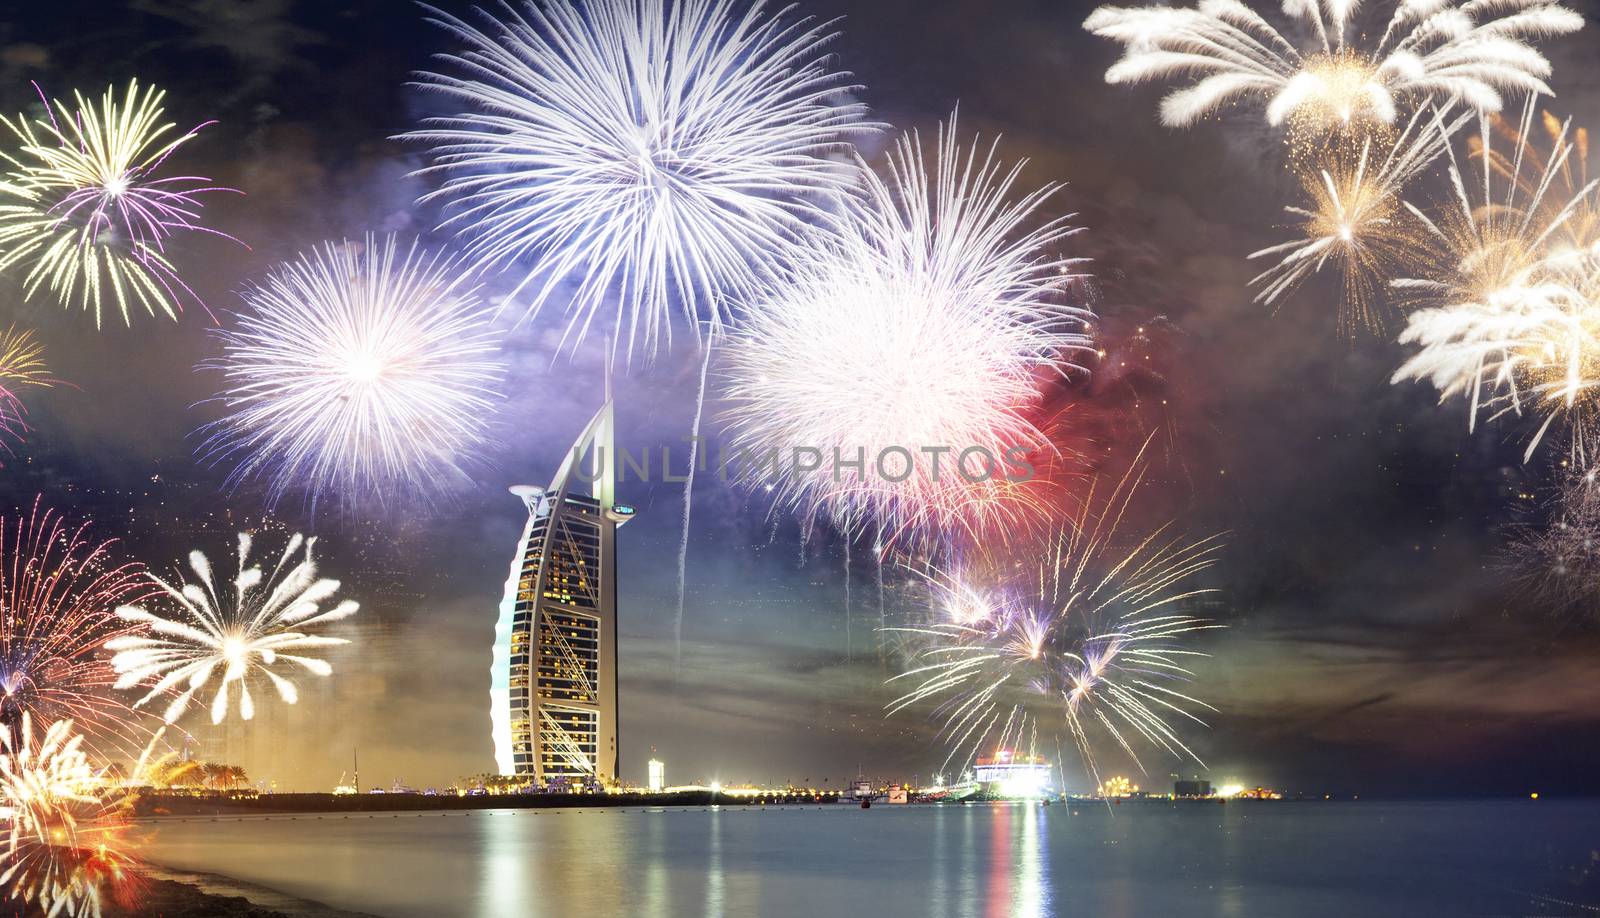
553, 687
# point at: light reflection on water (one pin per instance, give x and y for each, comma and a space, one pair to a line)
506, 861
1033, 883
714, 867
977, 861
655, 869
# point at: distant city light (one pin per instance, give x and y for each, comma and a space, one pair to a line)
1240, 791
1118, 786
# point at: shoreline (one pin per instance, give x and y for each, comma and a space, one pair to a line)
173, 893
219, 806
165, 805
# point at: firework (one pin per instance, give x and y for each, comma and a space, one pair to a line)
85, 210
1090, 643
646, 152
356, 372
1562, 188
66, 835
75, 881
1509, 316
1357, 219
39, 781
249, 626
22, 366
58, 593
1431, 49
1533, 347
1559, 560
913, 339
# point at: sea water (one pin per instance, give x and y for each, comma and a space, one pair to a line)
1145, 858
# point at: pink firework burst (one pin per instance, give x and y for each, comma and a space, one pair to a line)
59, 591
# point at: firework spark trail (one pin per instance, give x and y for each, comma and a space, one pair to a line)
231, 635
647, 152
923, 327
1511, 306
1438, 50
67, 849
883, 611
1093, 641
58, 593
358, 374
84, 209
1356, 218
688, 505
22, 366
1561, 190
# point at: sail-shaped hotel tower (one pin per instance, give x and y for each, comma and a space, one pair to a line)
553, 688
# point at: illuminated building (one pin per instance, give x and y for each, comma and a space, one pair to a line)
1240, 792
1117, 787
658, 776
1008, 774
553, 687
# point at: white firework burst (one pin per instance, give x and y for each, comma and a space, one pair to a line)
357, 372
66, 844
43, 781
221, 635
1509, 297
1534, 348
1473, 51
648, 152
925, 326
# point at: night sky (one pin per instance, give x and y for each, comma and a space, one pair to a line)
1375, 644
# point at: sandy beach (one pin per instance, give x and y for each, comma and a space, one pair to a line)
185, 894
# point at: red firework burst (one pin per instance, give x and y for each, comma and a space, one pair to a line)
58, 594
